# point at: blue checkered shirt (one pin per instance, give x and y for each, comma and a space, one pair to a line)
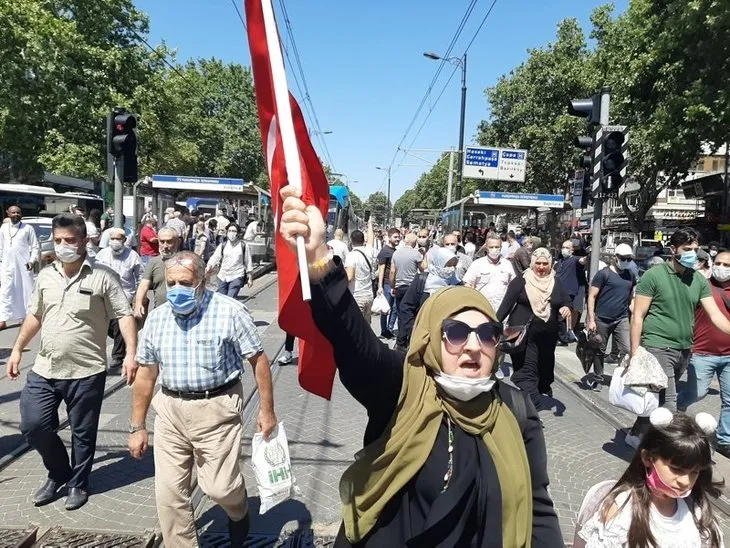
202, 351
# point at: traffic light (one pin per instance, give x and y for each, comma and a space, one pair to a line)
586, 108
122, 141
585, 164
589, 108
613, 159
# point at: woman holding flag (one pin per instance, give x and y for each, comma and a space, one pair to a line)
452, 456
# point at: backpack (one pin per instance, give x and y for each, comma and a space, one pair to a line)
515, 400
243, 258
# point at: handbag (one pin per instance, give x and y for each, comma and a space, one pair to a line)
514, 338
380, 306
627, 398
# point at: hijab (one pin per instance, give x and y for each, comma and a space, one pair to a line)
439, 275
540, 288
383, 468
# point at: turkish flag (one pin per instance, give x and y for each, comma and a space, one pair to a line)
316, 360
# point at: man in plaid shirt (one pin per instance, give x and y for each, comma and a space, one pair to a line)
197, 341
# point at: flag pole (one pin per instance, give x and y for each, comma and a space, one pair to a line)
286, 127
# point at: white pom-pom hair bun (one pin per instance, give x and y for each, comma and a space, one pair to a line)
706, 422
661, 417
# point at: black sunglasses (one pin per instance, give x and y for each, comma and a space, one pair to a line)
456, 334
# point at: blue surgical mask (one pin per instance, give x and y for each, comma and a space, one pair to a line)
182, 299
687, 259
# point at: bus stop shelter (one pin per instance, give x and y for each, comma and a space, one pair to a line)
484, 207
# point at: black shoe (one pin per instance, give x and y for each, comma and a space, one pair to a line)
238, 531
76, 498
48, 493
386, 335
723, 449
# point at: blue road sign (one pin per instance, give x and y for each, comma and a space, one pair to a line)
482, 157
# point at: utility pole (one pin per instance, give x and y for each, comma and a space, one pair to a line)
598, 201
389, 208
460, 167
118, 191
451, 178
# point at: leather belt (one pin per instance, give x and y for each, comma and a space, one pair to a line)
201, 395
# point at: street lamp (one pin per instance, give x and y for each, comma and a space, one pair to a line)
459, 62
387, 220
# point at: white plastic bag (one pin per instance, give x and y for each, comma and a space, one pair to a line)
380, 305
627, 398
272, 467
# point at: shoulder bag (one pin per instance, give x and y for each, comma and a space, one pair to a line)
370, 269
514, 338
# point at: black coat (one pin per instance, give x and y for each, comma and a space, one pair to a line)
420, 515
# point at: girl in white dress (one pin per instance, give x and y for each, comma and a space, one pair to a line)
663, 499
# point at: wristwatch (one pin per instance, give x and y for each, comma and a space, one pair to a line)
136, 427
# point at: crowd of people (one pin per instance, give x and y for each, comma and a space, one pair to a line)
99, 286
444, 429
454, 455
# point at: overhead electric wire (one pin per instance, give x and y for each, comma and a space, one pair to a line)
433, 106
235, 6
489, 11
307, 98
439, 69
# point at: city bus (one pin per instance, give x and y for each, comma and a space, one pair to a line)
41, 201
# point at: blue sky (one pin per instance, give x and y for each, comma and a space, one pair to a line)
365, 70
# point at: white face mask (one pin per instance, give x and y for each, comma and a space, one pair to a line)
66, 253
566, 252
422, 241
232, 236
713, 252
464, 389
721, 273
494, 253
116, 245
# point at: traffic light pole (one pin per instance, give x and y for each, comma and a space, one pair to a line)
598, 202
118, 190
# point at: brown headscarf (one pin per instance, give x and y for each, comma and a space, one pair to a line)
384, 467
539, 288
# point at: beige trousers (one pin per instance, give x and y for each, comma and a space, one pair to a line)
365, 304
205, 434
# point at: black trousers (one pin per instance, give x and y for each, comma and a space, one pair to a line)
534, 369
39, 402
289, 343
119, 349
400, 293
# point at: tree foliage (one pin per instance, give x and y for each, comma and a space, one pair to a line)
377, 204
528, 109
66, 63
667, 62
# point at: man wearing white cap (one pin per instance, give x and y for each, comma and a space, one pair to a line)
609, 303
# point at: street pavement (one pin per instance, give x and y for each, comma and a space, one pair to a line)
122, 489
583, 436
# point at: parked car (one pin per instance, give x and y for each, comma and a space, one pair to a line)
44, 233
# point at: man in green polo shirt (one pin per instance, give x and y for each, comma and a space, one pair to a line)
664, 315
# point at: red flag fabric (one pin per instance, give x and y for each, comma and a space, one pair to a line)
316, 366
